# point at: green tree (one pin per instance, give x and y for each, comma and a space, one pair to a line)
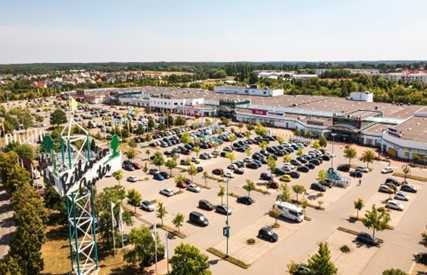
161, 211
316, 145
298, 189
178, 221
272, 164
406, 170
377, 219
249, 186
358, 205
158, 159
110, 200
248, 151
287, 158
186, 138
131, 153
260, 130
221, 194
188, 260
58, 117
24, 151
192, 170
300, 152
230, 156
368, 157
143, 248
171, 164
134, 198
285, 194
321, 262
196, 149
394, 271
263, 145
322, 176
118, 175
322, 141
280, 139
350, 153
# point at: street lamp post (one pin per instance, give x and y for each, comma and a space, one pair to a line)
154, 234
227, 226
333, 155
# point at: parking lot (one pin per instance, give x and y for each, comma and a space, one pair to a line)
296, 241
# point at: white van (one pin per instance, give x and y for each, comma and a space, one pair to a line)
289, 211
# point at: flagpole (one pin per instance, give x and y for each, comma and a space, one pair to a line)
112, 227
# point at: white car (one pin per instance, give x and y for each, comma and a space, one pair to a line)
393, 204
132, 179
193, 188
387, 170
228, 175
167, 192
401, 196
363, 169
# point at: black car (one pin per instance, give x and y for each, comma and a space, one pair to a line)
295, 162
318, 187
153, 171
315, 162
327, 183
392, 181
367, 239
294, 174
198, 219
302, 169
252, 165
245, 200
326, 158
222, 209
310, 166
356, 174
206, 205
164, 174
266, 233
408, 188
265, 176
343, 167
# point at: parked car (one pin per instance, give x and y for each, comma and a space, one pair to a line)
266, 233
408, 188
198, 219
285, 178
245, 200
303, 169
294, 174
318, 187
343, 167
206, 205
387, 170
363, 169
147, 206
132, 179
401, 196
167, 192
153, 171
158, 177
385, 189
222, 209
164, 174
393, 204
218, 172
392, 181
367, 239
193, 188
265, 176
356, 174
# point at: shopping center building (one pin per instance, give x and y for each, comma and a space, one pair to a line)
399, 130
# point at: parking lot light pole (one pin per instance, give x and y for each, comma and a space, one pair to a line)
226, 222
333, 156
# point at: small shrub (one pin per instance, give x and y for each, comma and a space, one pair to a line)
250, 241
345, 249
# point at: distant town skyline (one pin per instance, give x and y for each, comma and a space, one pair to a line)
221, 30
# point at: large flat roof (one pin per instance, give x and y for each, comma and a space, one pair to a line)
414, 128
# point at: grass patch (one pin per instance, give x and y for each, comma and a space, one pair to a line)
314, 206
202, 186
412, 177
228, 258
345, 249
262, 191
172, 231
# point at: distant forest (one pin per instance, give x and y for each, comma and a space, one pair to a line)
40, 68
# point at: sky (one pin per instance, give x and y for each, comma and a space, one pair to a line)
211, 30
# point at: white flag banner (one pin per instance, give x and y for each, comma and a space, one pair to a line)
121, 229
113, 218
